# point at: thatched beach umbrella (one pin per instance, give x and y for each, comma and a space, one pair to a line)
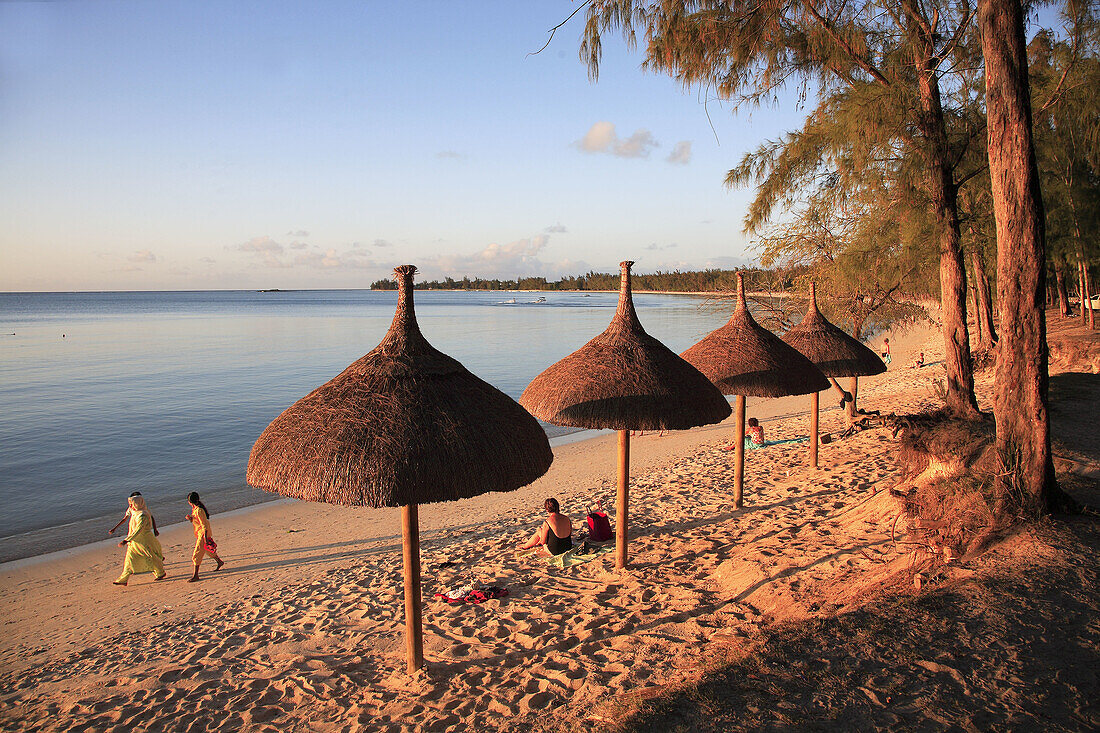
402, 426
832, 351
743, 358
626, 380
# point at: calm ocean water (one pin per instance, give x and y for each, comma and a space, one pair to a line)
102, 394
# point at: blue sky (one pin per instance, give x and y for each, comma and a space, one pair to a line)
193, 145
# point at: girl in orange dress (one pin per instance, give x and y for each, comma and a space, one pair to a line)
204, 540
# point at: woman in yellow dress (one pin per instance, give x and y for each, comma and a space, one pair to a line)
204, 540
143, 552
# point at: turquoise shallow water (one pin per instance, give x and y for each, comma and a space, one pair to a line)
102, 394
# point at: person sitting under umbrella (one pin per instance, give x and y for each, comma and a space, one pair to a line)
555, 534
754, 437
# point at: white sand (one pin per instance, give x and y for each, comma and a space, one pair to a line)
304, 625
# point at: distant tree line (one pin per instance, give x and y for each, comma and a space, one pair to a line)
703, 281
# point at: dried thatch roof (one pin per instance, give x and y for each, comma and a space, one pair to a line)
626, 380
834, 352
405, 424
742, 357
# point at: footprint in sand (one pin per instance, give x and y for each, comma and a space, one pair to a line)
538, 701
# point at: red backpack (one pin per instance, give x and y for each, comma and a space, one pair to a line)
599, 526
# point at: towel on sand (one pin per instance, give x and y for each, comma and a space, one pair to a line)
576, 556
753, 446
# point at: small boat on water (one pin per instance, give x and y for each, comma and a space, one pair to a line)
539, 299
506, 302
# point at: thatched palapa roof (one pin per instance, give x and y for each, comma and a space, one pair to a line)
742, 357
405, 424
625, 379
834, 352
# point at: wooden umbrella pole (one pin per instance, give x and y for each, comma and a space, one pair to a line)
621, 499
853, 387
813, 429
410, 545
739, 452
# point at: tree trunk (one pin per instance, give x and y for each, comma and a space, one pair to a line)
974, 305
1020, 396
1060, 283
1088, 295
985, 306
944, 199
1081, 289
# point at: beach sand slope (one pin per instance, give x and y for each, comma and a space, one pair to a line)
304, 629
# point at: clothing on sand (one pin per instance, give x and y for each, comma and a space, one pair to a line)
143, 551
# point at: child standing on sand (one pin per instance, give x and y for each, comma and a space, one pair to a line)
886, 351
204, 541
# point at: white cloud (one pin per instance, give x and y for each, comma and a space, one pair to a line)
265, 249
271, 253
207, 260
262, 245
519, 258
728, 263
382, 243
143, 255
330, 259
681, 153
602, 138
654, 247
298, 233
555, 229
448, 155
598, 139
637, 145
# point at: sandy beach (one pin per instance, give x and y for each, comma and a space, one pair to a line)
303, 628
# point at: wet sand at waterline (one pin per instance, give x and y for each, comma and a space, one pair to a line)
303, 628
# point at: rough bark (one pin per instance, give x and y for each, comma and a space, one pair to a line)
984, 316
1081, 290
1020, 396
1060, 286
944, 199
974, 305
1088, 296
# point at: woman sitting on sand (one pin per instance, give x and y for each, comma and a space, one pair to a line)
204, 541
555, 534
143, 553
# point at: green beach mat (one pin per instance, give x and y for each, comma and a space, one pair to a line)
569, 558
